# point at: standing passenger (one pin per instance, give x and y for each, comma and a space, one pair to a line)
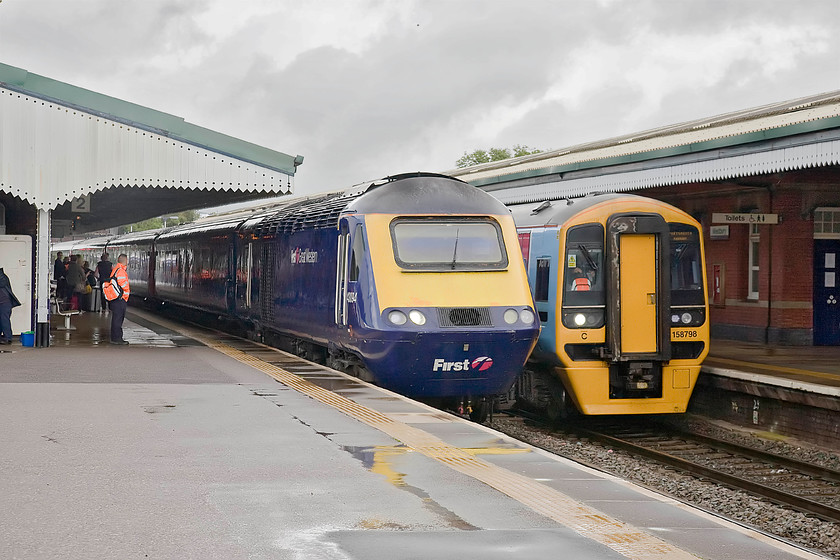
103, 272
58, 275
76, 281
119, 303
7, 302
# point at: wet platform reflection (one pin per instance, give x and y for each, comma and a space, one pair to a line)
92, 328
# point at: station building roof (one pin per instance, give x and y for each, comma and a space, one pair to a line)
126, 162
795, 134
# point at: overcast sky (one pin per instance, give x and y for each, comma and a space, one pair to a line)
365, 89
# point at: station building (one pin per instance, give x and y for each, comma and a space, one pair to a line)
763, 182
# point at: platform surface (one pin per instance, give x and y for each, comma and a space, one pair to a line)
182, 446
808, 368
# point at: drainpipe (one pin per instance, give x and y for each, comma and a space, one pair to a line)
770, 190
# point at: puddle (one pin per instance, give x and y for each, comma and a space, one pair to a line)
380, 460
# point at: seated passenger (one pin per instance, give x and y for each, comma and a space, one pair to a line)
580, 283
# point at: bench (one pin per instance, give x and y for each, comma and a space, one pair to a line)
60, 308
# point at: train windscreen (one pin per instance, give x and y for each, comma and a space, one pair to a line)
448, 244
686, 266
583, 280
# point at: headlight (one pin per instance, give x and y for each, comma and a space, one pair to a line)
526, 316
511, 316
583, 319
687, 318
416, 317
397, 317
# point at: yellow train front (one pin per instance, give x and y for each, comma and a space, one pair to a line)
619, 286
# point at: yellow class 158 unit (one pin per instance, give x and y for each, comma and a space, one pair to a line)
619, 285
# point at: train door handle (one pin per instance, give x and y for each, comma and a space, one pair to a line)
652, 299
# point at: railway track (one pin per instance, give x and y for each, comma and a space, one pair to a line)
807, 488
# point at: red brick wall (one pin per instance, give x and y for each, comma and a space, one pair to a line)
786, 249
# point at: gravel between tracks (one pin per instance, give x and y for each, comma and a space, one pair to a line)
813, 534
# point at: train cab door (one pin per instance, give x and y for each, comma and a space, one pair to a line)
341, 274
640, 287
355, 261
638, 264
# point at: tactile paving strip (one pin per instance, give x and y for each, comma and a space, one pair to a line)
588, 522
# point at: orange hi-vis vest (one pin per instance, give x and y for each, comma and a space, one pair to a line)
118, 283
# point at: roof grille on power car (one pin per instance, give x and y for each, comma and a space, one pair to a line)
464, 317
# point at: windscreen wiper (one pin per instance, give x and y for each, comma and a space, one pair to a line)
455, 251
587, 256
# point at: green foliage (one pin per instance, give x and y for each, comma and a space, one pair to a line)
519, 150
475, 158
493, 154
155, 223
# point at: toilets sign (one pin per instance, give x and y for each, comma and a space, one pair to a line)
757, 219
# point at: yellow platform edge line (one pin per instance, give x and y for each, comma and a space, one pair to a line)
621, 537
757, 365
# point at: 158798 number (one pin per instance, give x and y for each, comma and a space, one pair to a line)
684, 334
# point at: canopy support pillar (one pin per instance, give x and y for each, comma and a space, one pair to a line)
42, 280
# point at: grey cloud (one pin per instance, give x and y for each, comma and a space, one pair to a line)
406, 100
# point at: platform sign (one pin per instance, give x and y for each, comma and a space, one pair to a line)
748, 218
60, 228
81, 204
719, 232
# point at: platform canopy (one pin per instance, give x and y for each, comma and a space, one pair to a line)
103, 162
783, 136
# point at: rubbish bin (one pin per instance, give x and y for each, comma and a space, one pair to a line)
27, 338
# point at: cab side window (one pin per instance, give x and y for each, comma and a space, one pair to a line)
357, 256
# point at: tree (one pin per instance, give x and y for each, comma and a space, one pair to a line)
493, 154
155, 223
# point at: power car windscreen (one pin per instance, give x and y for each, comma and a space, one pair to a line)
448, 244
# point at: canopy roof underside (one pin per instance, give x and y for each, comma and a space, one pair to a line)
59, 143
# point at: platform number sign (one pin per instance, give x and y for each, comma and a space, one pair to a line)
81, 204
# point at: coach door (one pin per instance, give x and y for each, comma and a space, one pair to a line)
249, 275
230, 280
635, 248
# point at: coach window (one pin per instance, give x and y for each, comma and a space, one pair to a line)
543, 277
752, 282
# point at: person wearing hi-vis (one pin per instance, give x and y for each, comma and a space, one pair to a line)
116, 291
